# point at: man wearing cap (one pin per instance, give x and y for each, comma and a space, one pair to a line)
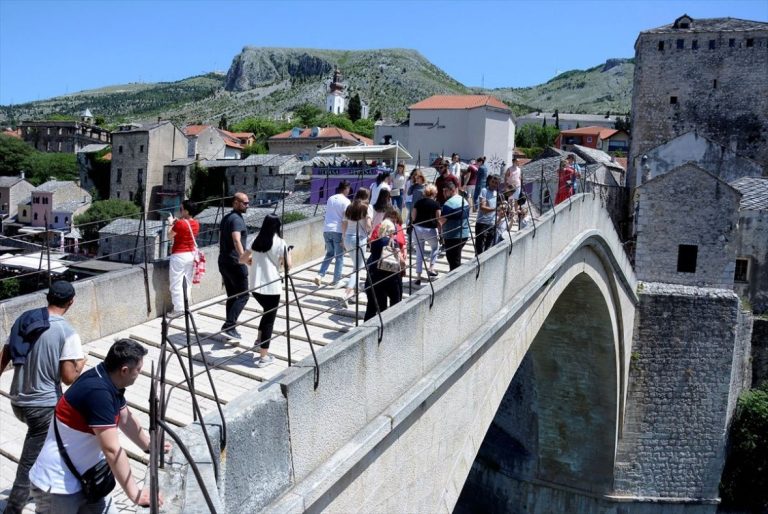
45, 351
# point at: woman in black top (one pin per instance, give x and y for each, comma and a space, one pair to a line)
426, 223
384, 285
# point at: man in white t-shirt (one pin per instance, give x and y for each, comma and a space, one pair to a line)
455, 167
45, 351
334, 215
512, 181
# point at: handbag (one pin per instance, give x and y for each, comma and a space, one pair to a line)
97, 481
390, 258
198, 261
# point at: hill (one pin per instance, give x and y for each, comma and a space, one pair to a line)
270, 82
607, 87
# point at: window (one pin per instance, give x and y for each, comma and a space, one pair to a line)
66, 219
55, 219
686, 258
141, 148
35, 216
680, 44
140, 175
119, 178
118, 195
672, 100
711, 44
714, 84
59, 146
731, 43
120, 149
244, 179
45, 200
661, 46
589, 139
750, 42
695, 44
24, 213
232, 180
130, 195
36, 199
170, 177
742, 267
59, 130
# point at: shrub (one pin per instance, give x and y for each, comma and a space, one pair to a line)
290, 217
744, 485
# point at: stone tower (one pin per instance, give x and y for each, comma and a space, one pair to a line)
707, 75
334, 102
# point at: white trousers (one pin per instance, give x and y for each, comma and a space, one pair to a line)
180, 267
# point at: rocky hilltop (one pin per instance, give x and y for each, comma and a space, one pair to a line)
271, 82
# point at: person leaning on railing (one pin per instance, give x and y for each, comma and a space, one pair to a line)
268, 255
386, 286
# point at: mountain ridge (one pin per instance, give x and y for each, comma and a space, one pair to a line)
272, 82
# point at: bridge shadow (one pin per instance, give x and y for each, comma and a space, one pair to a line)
551, 444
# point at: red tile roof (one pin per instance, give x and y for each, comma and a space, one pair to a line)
325, 133
622, 161
193, 130
230, 139
601, 132
459, 102
12, 133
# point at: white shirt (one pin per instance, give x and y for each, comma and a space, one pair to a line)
265, 269
334, 212
376, 189
455, 169
398, 183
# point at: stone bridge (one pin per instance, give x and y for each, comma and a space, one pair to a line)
506, 388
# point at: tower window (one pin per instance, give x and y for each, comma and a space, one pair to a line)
680, 44
731, 43
686, 258
661, 46
750, 42
714, 84
695, 44
120, 149
742, 267
672, 100
712, 44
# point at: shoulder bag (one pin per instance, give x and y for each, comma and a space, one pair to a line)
198, 262
390, 258
97, 481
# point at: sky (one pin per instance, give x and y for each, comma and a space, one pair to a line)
50, 48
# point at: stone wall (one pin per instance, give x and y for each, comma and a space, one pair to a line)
752, 244
687, 206
718, 92
759, 352
686, 344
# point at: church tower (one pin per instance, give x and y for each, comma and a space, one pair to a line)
334, 102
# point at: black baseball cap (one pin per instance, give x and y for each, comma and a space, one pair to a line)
61, 291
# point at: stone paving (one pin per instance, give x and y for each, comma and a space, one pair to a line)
232, 364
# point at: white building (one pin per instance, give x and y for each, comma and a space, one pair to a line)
470, 125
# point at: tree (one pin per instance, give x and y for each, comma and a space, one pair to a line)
355, 108
377, 115
12, 154
223, 122
624, 123
308, 114
534, 136
99, 215
41, 167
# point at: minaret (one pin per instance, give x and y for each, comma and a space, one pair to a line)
334, 102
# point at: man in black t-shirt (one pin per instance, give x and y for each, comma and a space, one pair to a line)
234, 275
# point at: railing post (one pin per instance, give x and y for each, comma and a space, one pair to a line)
154, 486
287, 305
358, 255
187, 315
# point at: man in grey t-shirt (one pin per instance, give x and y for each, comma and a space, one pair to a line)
41, 362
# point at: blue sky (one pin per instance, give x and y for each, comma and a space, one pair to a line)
49, 48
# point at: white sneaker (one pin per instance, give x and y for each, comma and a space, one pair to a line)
263, 362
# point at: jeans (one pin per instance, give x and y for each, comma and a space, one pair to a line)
453, 252
269, 303
408, 209
350, 243
37, 419
50, 503
426, 236
479, 185
397, 202
484, 236
235, 278
180, 266
333, 249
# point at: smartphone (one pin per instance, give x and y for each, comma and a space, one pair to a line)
290, 248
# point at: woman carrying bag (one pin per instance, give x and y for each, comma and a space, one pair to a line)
182, 234
384, 266
268, 256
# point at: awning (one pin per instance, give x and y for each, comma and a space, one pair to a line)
370, 152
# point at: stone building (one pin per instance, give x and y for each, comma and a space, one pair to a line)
600, 138
208, 142
707, 75
714, 157
264, 176
12, 191
687, 223
123, 240
93, 163
139, 154
63, 136
751, 274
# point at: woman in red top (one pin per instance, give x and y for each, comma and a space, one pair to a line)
565, 178
182, 234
